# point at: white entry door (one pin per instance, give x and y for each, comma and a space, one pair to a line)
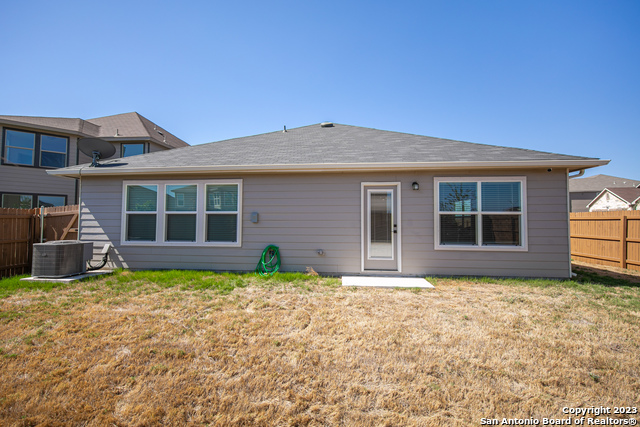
381, 219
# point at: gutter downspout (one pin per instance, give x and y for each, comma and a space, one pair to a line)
41, 224
80, 199
579, 174
569, 217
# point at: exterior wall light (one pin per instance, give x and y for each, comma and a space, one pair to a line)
415, 186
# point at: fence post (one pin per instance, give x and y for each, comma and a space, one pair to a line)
623, 240
41, 224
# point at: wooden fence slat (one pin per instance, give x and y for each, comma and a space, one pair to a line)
20, 229
604, 237
623, 242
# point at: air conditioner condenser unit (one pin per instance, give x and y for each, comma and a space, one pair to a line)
61, 258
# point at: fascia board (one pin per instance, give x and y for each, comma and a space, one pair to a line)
332, 167
125, 138
11, 123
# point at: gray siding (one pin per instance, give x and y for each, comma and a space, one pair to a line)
31, 180
302, 213
580, 200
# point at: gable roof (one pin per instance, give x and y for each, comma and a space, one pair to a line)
630, 195
129, 126
55, 124
597, 183
133, 125
339, 147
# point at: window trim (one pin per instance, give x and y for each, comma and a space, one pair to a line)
36, 159
127, 212
201, 213
524, 247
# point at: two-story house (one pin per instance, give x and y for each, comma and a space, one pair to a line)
31, 145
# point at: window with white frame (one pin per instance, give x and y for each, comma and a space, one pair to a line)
182, 212
486, 213
141, 213
222, 213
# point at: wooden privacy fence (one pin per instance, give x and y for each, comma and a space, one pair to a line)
21, 228
606, 238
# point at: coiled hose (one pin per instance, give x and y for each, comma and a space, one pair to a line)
269, 261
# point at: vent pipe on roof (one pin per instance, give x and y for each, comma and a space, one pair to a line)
116, 132
285, 129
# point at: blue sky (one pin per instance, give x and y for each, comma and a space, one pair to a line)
561, 76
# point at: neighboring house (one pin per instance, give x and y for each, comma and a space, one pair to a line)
584, 190
32, 145
616, 199
341, 199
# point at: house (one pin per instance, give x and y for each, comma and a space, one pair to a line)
341, 199
584, 190
616, 199
33, 145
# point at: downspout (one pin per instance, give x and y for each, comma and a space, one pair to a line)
41, 224
578, 175
79, 199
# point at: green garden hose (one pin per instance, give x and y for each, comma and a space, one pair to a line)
269, 261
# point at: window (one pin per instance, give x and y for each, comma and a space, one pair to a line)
26, 201
50, 201
181, 208
480, 213
19, 147
206, 213
35, 149
17, 201
53, 151
222, 213
128, 150
141, 208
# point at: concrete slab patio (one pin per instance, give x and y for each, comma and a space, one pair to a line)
68, 279
386, 282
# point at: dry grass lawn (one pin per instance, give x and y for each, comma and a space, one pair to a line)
131, 350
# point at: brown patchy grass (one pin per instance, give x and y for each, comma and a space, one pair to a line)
313, 354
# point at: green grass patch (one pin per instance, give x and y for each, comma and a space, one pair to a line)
126, 282
11, 285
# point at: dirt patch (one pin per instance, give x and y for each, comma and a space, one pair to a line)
604, 270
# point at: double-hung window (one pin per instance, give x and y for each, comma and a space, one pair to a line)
222, 213
53, 151
141, 213
206, 213
181, 212
35, 149
480, 213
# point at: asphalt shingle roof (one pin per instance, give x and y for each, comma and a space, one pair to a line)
597, 183
336, 145
133, 125
628, 194
127, 125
